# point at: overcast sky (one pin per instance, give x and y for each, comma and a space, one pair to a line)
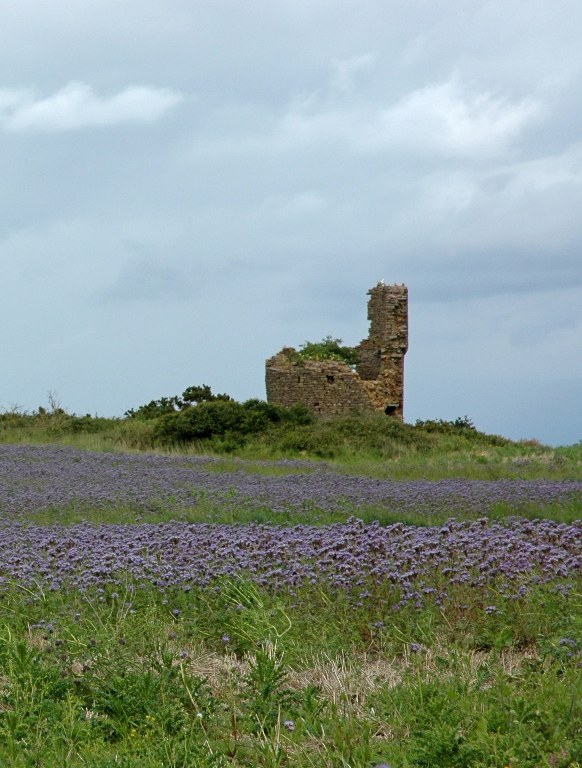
188, 186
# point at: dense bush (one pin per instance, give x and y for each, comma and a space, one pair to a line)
166, 405
54, 423
225, 418
462, 426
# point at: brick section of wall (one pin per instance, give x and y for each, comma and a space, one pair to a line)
333, 388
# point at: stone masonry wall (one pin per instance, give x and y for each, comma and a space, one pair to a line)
334, 388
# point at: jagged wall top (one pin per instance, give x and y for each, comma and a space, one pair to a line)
331, 387
388, 316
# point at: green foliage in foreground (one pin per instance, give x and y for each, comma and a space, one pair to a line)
238, 677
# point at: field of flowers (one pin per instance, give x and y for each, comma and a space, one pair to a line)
37, 478
141, 628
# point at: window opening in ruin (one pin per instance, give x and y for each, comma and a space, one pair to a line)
299, 379
390, 410
329, 378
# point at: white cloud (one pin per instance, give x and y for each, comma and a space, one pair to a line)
443, 118
77, 106
439, 119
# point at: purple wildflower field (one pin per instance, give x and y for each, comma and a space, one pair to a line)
423, 562
35, 478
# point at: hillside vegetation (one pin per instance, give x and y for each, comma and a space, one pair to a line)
200, 422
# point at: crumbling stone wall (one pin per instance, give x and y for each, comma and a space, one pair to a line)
333, 388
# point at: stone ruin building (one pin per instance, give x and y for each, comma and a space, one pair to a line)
375, 383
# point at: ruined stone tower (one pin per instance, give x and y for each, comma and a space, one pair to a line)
330, 387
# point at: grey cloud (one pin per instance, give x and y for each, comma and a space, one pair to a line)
329, 146
346, 72
142, 279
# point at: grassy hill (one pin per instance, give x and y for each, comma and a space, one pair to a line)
369, 444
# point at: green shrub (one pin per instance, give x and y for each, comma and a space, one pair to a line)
87, 424
462, 426
154, 408
167, 405
228, 420
328, 349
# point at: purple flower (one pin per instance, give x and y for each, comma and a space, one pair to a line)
415, 647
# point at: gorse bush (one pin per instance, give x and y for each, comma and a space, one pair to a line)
460, 424
226, 418
463, 426
191, 396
